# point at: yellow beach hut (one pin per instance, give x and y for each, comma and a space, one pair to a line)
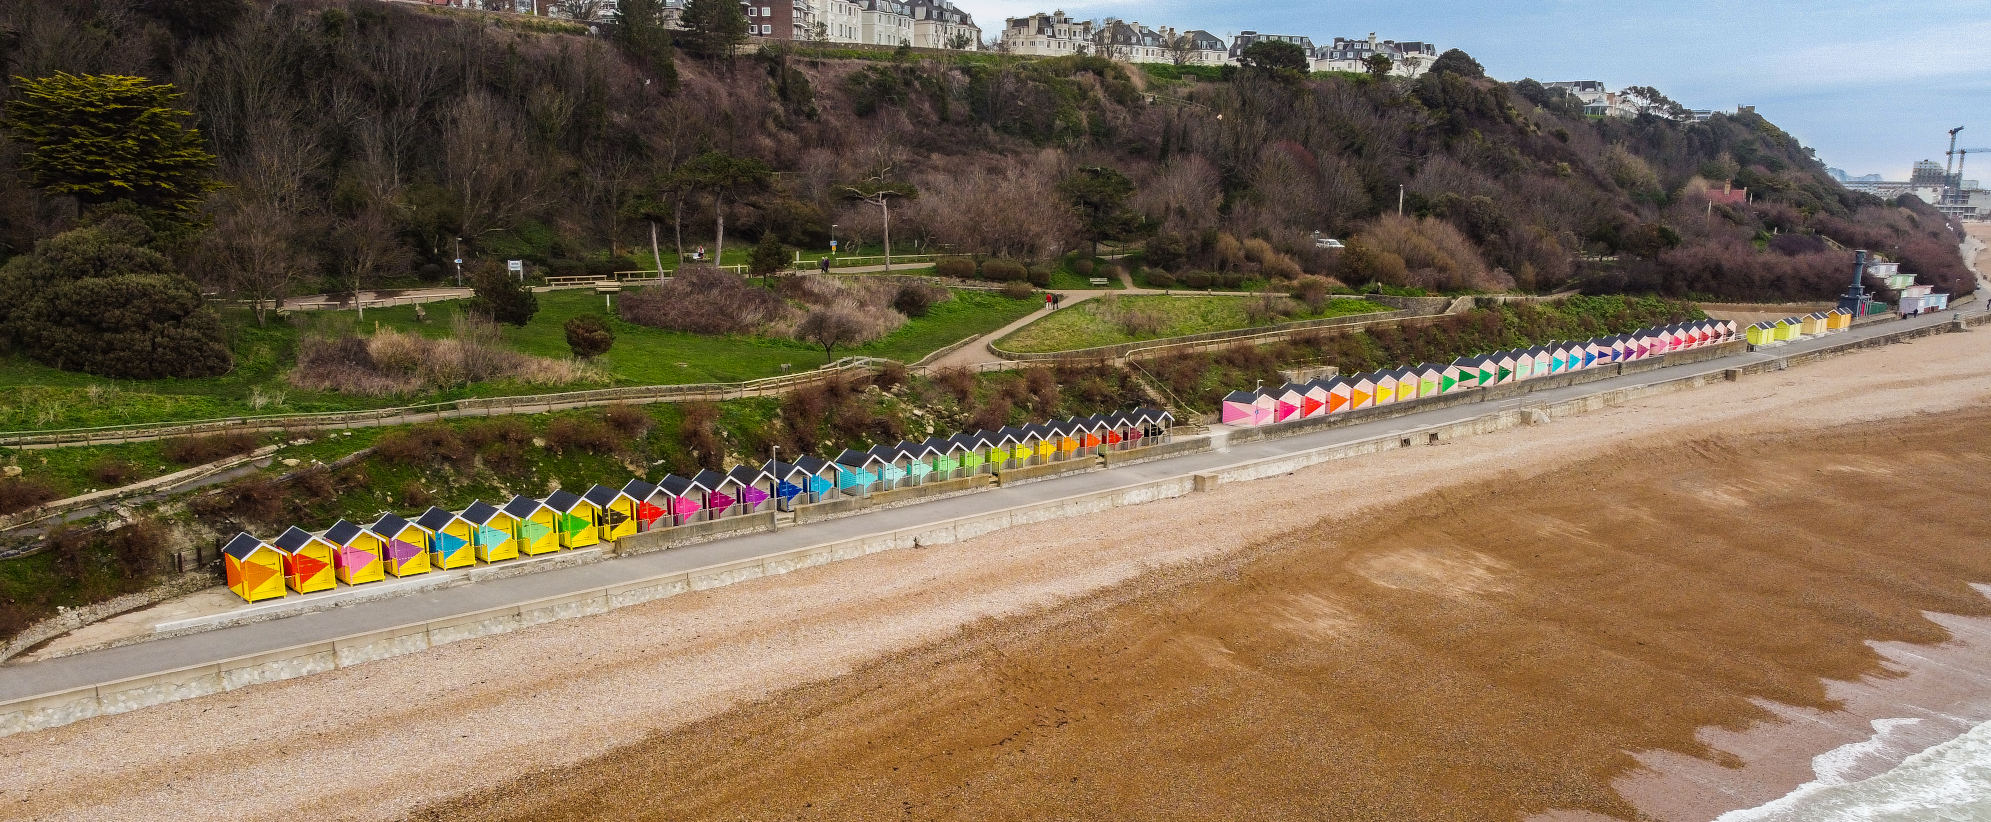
254, 568
407, 545
1789, 328
360, 555
307, 561
1839, 319
580, 520
1760, 333
619, 515
449, 545
493, 532
538, 526
1811, 325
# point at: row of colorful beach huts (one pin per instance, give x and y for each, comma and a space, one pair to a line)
354, 554
1341, 394
1771, 332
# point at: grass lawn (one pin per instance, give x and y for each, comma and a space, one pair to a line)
34, 397
1096, 322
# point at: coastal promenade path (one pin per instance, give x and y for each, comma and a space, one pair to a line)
22, 680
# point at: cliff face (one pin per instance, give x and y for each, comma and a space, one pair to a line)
410, 127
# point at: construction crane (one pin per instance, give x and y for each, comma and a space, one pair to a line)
1948, 156
1957, 195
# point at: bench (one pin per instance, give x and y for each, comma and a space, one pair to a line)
1099, 281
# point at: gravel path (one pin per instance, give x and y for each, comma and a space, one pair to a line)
379, 740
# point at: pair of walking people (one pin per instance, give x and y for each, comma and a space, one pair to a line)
1053, 299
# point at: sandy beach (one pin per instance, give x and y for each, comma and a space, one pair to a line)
1606, 616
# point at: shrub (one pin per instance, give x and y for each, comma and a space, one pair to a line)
914, 299
704, 300
589, 336
97, 300
413, 495
505, 431
431, 443
203, 449
17, 494
1005, 271
1311, 291
579, 434
957, 381
1084, 268
700, 435
499, 297
1039, 276
1142, 322
630, 422
1196, 279
138, 548
1018, 291
396, 362
1161, 279
890, 376
111, 472
959, 268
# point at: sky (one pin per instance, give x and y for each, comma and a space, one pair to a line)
1872, 86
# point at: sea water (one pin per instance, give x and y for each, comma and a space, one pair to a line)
1950, 782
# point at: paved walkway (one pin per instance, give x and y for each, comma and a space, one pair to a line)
34, 678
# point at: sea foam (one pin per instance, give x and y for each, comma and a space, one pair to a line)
1950, 781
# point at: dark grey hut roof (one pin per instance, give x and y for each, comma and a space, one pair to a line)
242, 546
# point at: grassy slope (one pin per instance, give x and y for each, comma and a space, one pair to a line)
1088, 324
38, 397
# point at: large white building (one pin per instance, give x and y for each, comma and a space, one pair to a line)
939, 24
1409, 58
1047, 35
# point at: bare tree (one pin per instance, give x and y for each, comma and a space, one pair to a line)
255, 244
582, 11
1105, 39
834, 325
366, 247
877, 191
487, 166
1182, 50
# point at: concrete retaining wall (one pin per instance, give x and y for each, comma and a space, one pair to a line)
1150, 453
73, 619
692, 533
50, 710
1049, 470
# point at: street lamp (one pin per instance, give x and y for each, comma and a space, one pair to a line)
832, 239
774, 466
459, 262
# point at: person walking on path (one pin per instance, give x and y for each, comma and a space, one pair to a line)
824, 263
1048, 302
1057, 300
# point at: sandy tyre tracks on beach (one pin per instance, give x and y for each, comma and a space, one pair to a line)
379, 740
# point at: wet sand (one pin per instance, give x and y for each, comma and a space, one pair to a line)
1485, 652
1292, 647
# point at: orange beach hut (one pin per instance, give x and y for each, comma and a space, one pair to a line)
254, 568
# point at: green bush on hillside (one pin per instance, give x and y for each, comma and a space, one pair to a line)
97, 300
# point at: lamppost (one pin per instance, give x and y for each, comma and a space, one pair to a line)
459, 262
774, 467
832, 239
1399, 199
